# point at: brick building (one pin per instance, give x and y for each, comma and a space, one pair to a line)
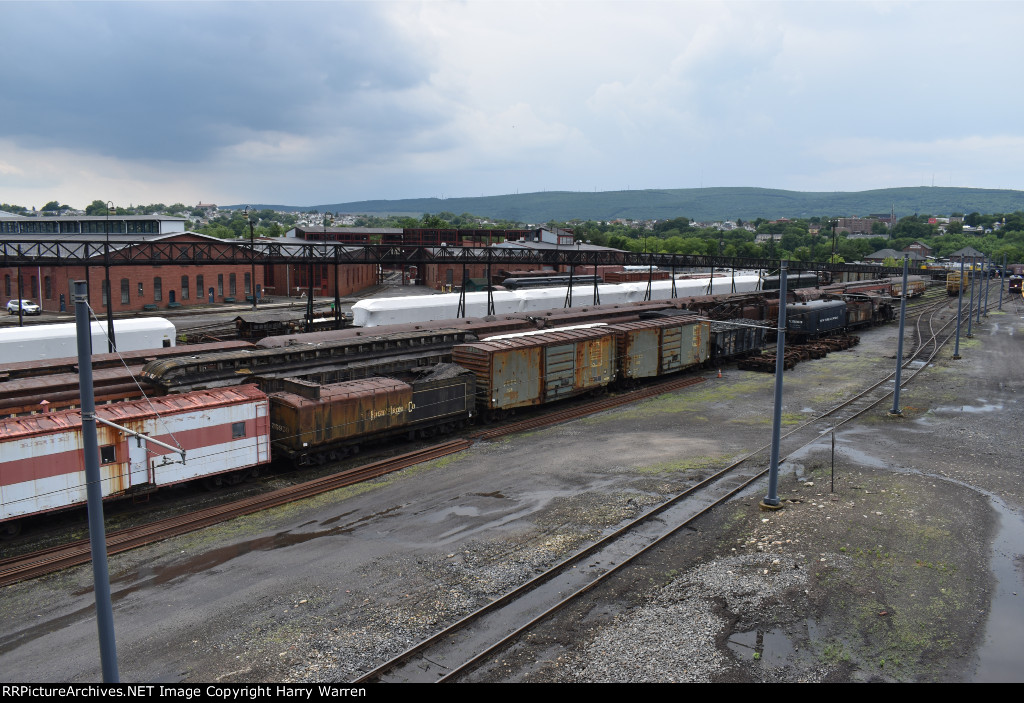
440, 276
134, 287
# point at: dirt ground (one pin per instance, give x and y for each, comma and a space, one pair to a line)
904, 578
907, 571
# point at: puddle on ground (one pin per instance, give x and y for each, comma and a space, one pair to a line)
774, 647
999, 655
986, 408
771, 648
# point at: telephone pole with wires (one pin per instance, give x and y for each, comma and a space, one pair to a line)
94, 492
94, 482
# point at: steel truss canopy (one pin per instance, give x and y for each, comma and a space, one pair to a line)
69, 252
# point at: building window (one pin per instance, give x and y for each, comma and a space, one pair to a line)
199, 288
231, 285
184, 287
237, 430
143, 227
220, 285
34, 290
158, 289
141, 296
7, 285
248, 285
48, 287
126, 291
106, 291
108, 454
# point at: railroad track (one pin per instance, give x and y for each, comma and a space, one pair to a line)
15, 569
456, 651
595, 406
54, 559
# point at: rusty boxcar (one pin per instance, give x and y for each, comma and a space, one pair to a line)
915, 287
657, 347
312, 423
532, 368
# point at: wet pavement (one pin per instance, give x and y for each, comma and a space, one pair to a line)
923, 538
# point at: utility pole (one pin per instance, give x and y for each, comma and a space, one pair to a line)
899, 346
252, 256
111, 342
94, 491
771, 501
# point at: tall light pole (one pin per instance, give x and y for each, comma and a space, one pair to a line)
252, 256
110, 293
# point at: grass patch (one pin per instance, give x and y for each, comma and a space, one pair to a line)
694, 398
692, 463
901, 604
766, 419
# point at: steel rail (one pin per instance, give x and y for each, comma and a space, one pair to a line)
448, 633
47, 561
15, 569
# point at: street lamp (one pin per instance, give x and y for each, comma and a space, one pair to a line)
252, 256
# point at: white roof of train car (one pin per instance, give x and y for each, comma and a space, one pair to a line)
421, 308
41, 342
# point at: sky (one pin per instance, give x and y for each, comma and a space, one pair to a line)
324, 102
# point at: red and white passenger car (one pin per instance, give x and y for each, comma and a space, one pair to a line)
42, 467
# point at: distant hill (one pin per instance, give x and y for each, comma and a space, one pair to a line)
702, 204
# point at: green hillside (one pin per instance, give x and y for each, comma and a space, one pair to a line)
702, 204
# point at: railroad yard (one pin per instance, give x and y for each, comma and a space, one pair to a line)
909, 570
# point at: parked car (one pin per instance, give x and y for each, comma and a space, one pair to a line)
28, 306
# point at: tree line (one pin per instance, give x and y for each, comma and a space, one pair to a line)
1002, 235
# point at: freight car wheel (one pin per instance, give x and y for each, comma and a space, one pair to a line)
10, 529
212, 483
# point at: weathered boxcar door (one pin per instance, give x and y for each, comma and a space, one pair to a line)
594, 361
693, 343
138, 463
559, 370
516, 378
642, 354
262, 434
672, 347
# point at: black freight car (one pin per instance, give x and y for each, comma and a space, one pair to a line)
736, 338
549, 282
815, 318
793, 281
